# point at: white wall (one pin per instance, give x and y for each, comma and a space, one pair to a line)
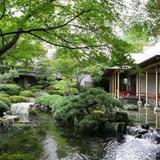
151, 84
86, 81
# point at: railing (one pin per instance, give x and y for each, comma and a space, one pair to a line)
142, 94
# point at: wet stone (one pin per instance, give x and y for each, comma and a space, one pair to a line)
145, 126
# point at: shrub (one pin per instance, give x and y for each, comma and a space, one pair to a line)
26, 93
18, 156
3, 94
63, 87
49, 100
94, 103
11, 89
88, 123
18, 99
33, 89
38, 87
3, 107
93, 106
5, 100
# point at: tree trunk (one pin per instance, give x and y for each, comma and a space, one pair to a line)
11, 43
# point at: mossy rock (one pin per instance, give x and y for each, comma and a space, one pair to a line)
18, 99
3, 107
130, 107
121, 117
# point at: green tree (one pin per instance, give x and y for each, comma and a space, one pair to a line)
86, 26
24, 54
153, 8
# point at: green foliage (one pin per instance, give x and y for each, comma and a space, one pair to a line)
3, 107
5, 100
64, 87
153, 8
87, 42
34, 89
24, 53
18, 99
49, 100
17, 156
65, 65
137, 35
3, 94
10, 89
8, 77
93, 106
26, 93
88, 123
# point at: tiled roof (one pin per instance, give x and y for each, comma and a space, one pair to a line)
148, 53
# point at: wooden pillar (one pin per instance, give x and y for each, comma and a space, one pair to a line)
146, 115
118, 84
146, 86
137, 90
25, 82
156, 86
139, 87
156, 120
112, 85
115, 84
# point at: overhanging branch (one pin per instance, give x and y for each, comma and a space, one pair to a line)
10, 44
67, 46
45, 29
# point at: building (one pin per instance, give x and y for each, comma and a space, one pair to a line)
86, 81
144, 86
26, 79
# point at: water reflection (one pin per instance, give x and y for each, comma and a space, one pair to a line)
157, 114
145, 116
127, 148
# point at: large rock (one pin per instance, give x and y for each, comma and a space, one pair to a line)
121, 117
12, 118
130, 107
112, 129
40, 93
144, 133
46, 109
6, 124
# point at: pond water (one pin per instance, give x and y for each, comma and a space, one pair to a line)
145, 115
69, 146
113, 148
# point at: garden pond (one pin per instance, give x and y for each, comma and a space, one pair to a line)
59, 144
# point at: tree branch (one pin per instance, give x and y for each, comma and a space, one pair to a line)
66, 46
2, 37
45, 29
4, 9
10, 44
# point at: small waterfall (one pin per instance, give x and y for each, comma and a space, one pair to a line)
132, 148
21, 110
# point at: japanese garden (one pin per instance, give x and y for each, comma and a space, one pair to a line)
79, 80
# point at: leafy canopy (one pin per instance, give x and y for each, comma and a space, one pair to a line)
85, 29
